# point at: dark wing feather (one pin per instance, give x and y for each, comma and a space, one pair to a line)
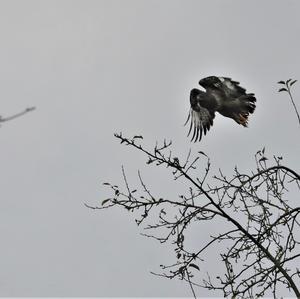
224, 85
200, 123
231, 88
201, 119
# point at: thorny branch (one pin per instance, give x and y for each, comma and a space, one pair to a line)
259, 232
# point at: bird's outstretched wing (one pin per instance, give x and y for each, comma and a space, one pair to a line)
200, 122
201, 118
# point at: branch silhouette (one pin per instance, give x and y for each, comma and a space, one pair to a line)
261, 239
5, 119
288, 88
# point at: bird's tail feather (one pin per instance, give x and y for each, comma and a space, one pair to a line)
247, 106
188, 118
248, 103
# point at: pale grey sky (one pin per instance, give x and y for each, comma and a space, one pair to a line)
93, 68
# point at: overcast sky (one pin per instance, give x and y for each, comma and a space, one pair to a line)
93, 68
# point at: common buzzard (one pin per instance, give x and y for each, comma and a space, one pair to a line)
221, 95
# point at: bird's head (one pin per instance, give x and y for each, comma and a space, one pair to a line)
209, 81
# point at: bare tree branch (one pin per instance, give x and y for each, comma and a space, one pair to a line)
260, 224
4, 119
288, 85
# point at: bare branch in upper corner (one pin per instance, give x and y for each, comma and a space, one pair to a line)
8, 118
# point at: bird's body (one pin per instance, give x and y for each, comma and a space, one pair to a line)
221, 95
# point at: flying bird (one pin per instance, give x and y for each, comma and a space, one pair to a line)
221, 95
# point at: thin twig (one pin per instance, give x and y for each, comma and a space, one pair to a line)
4, 119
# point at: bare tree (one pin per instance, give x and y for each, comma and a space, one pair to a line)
259, 221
